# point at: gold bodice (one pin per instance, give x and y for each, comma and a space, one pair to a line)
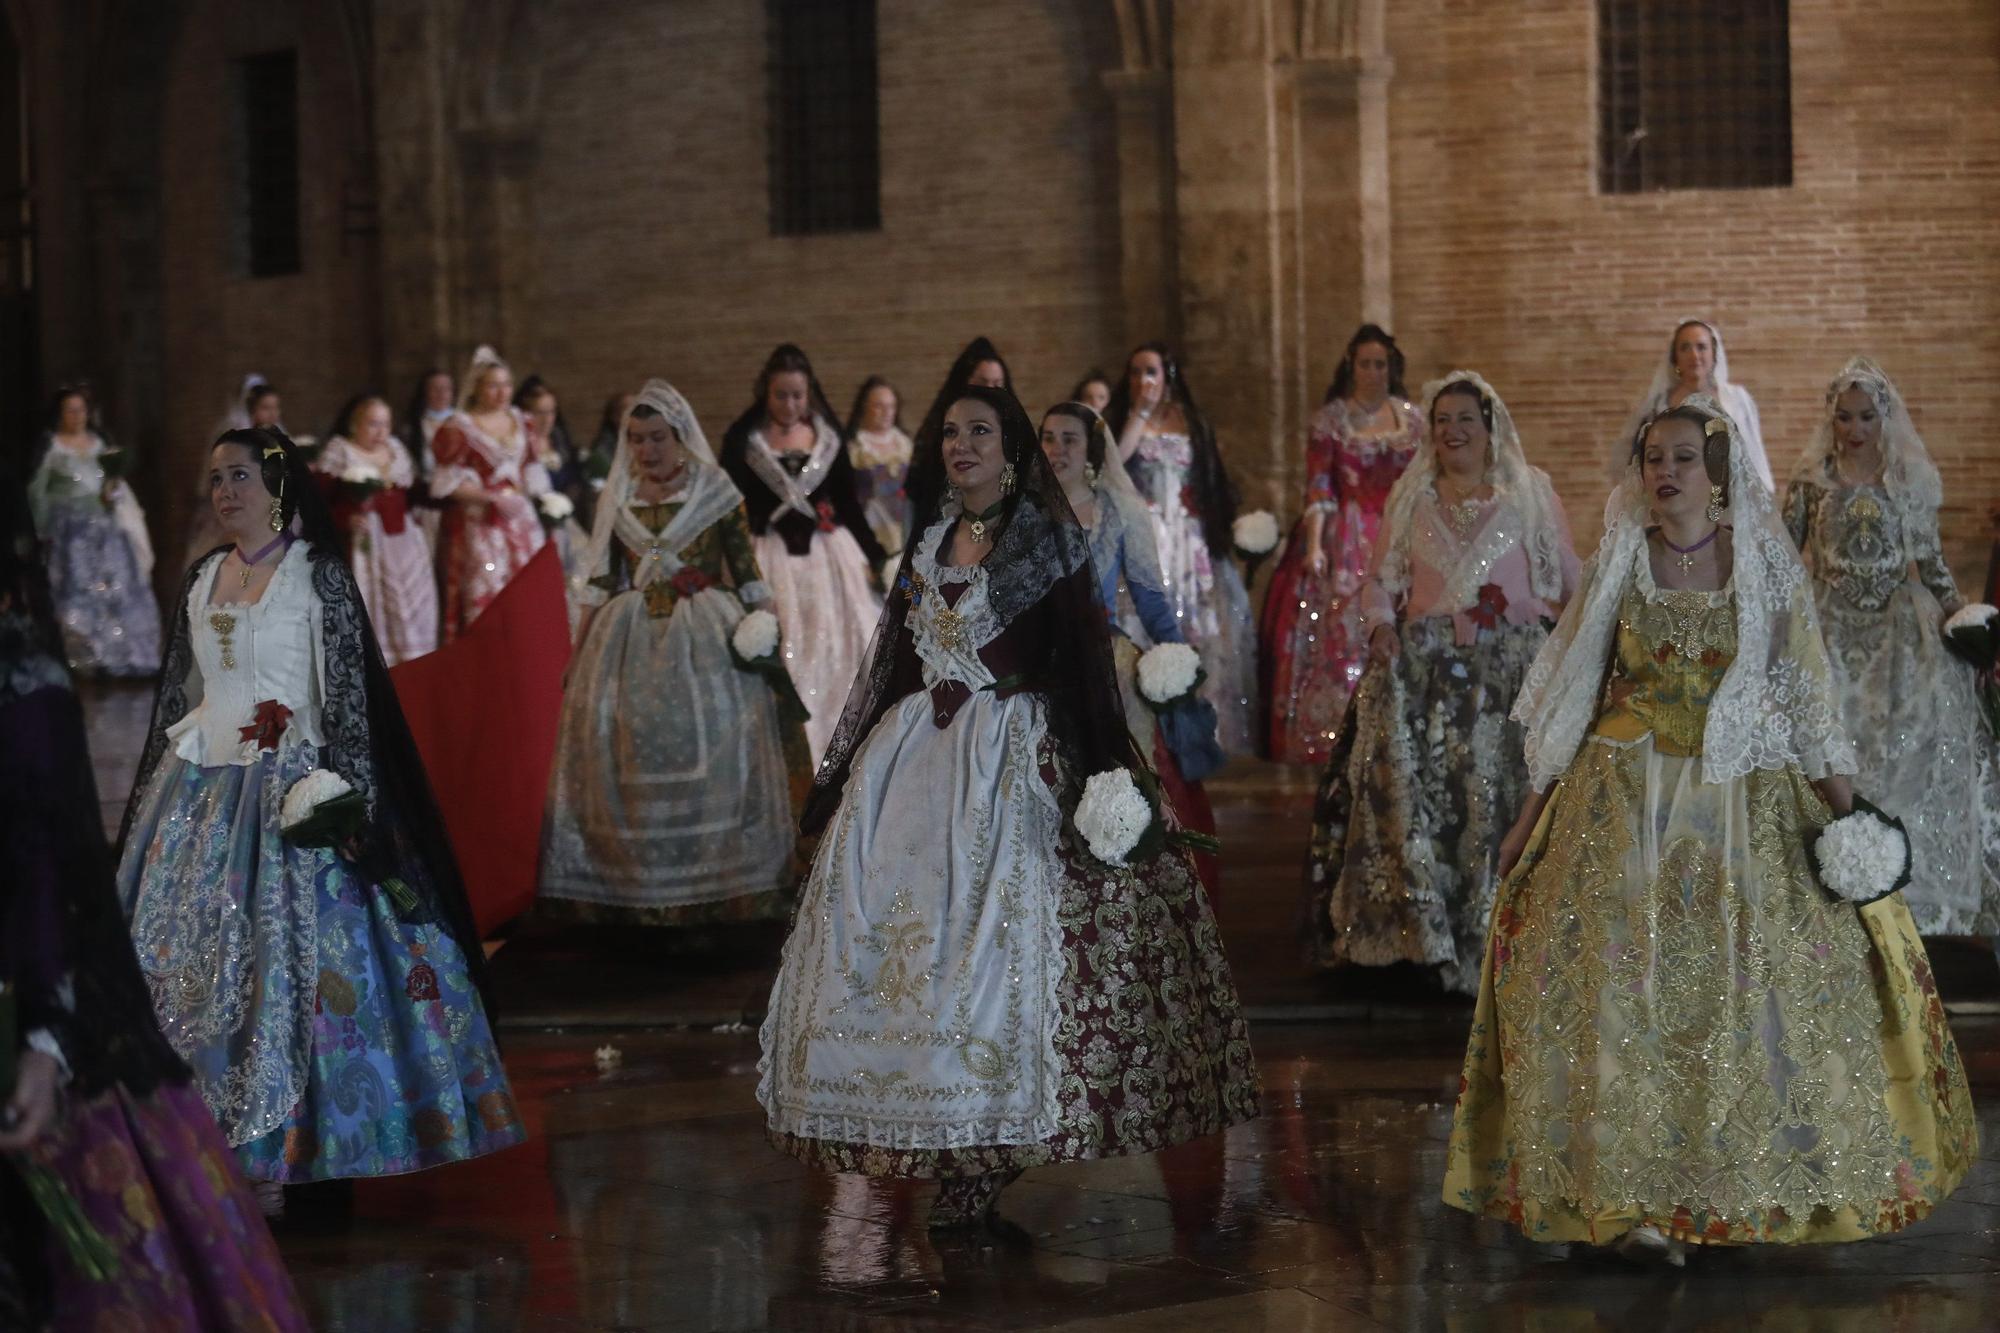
1673, 649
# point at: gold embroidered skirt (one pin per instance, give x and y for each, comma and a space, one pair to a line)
1677, 1026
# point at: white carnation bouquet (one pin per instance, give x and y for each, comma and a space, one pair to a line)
1255, 534
1169, 673
1863, 855
753, 645
1119, 818
321, 809
361, 480
555, 508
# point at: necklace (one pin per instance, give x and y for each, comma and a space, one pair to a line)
249, 561
1685, 554
1460, 515
979, 520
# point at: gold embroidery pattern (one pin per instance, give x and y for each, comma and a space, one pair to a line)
1702, 1045
224, 625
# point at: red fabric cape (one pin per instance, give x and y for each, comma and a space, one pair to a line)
484, 710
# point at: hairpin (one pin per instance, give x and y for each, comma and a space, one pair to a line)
1714, 426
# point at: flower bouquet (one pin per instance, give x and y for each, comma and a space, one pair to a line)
1255, 535
1971, 634
1170, 676
753, 645
92, 1254
359, 481
1863, 855
321, 810
1119, 817
554, 509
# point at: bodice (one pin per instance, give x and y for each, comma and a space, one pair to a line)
701, 561
248, 656
1673, 648
1860, 548
72, 475
1358, 463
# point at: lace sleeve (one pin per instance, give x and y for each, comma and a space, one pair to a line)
1927, 552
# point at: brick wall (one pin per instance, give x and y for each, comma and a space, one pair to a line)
1507, 260
653, 250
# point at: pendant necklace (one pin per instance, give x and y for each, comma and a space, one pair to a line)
980, 519
1685, 554
243, 574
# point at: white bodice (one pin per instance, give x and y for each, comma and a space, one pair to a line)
247, 654
948, 638
342, 453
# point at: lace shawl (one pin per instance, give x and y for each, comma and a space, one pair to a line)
1529, 513
1908, 474
1775, 707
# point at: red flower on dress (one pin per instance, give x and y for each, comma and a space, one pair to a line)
1491, 606
1190, 501
689, 581
825, 510
267, 724
422, 983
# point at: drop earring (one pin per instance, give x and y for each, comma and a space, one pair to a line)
1090, 474
277, 515
1714, 511
1007, 477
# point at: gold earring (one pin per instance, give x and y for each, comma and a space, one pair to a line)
1007, 479
1714, 511
1090, 474
277, 515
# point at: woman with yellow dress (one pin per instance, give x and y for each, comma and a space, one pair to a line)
1682, 1036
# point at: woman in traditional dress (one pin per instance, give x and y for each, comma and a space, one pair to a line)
488, 476
1310, 643
1696, 363
100, 557
368, 476
673, 798
811, 537
1681, 1036
1169, 448
1472, 566
1180, 743
967, 991
880, 453
431, 405
256, 403
99, 1101
325, 997
1863, 508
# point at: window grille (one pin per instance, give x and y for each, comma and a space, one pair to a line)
825, 141
1694, 95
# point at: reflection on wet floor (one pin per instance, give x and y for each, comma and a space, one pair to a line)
648, 1199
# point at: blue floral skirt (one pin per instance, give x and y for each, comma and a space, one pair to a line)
364, 1051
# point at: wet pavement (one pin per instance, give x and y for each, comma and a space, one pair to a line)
648, 1199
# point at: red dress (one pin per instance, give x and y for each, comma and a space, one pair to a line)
1310, 641
478, 555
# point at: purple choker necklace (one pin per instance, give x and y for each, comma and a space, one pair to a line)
250, 561
1685, 554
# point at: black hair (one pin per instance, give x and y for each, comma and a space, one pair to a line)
976, 353
67, 391
868, 386
1214, 492
1343, 375
343, 421
926, 484
1470, 390
785, 359
257, 393
1092, 376
1096, 434
287, 478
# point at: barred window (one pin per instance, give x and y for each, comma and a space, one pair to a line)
267, 162
1694, 95
825, 145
